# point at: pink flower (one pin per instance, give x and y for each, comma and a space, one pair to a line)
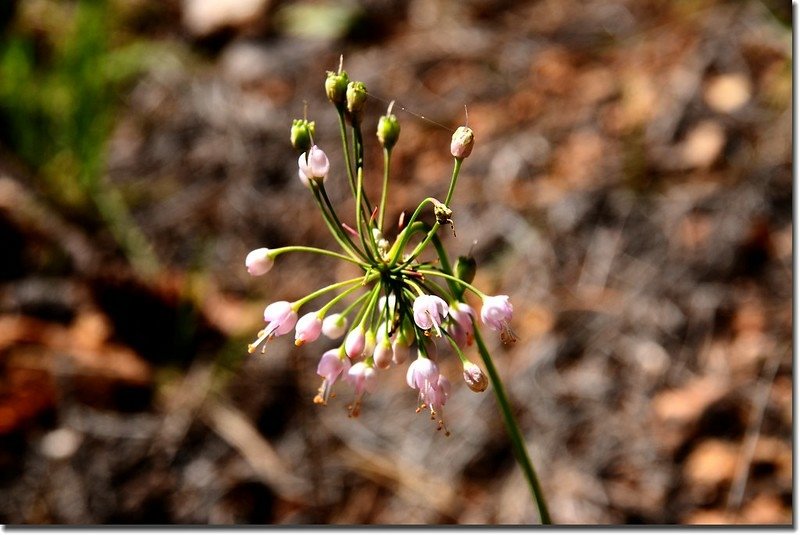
334, 326
330, 368
363, 378
460, 327
308, 329
258, 261
313, 166
429, 311
496, 312
421, 372
280, 318
355, 343
436, 393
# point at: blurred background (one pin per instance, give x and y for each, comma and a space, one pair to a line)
630, 189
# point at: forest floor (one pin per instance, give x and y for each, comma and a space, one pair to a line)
630, 189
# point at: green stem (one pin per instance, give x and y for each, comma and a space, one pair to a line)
334, 225
467, 285
453, 180
514, 432
387, 156
359, 220
405, 235
304, 249
313, 295
346, 150
330, 304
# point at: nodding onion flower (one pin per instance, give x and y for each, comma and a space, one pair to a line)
404, 300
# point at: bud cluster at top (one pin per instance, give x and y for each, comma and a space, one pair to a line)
408, 303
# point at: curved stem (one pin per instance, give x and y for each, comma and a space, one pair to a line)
514, 432
304, 249
453, 180
313, 295
467, 285
330, 304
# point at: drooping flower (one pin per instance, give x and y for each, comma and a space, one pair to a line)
331, 366
280, 318
434, 395
429, 311
364, 380
259, 261
496, 311
460, 326
421, 372
308, 328
313, 166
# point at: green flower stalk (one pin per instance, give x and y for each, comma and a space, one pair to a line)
403, 303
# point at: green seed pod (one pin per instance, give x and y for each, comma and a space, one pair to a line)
301, 134
356, 99
336, 87
465, 268
388, 130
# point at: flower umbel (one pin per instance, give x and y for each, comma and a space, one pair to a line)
403, 301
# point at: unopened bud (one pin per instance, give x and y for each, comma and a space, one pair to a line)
461, 144
336, 87
465, 268
356, 98
388, 129
301, 134
475, 378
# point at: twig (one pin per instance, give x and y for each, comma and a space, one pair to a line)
736, 493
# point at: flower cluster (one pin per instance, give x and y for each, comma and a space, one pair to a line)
402, 306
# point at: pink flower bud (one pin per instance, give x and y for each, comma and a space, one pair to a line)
280, 318
384, 354
355, 343
461, 144
313, 165
475, 378
334, 326
258, 261
429, 311
308, 329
